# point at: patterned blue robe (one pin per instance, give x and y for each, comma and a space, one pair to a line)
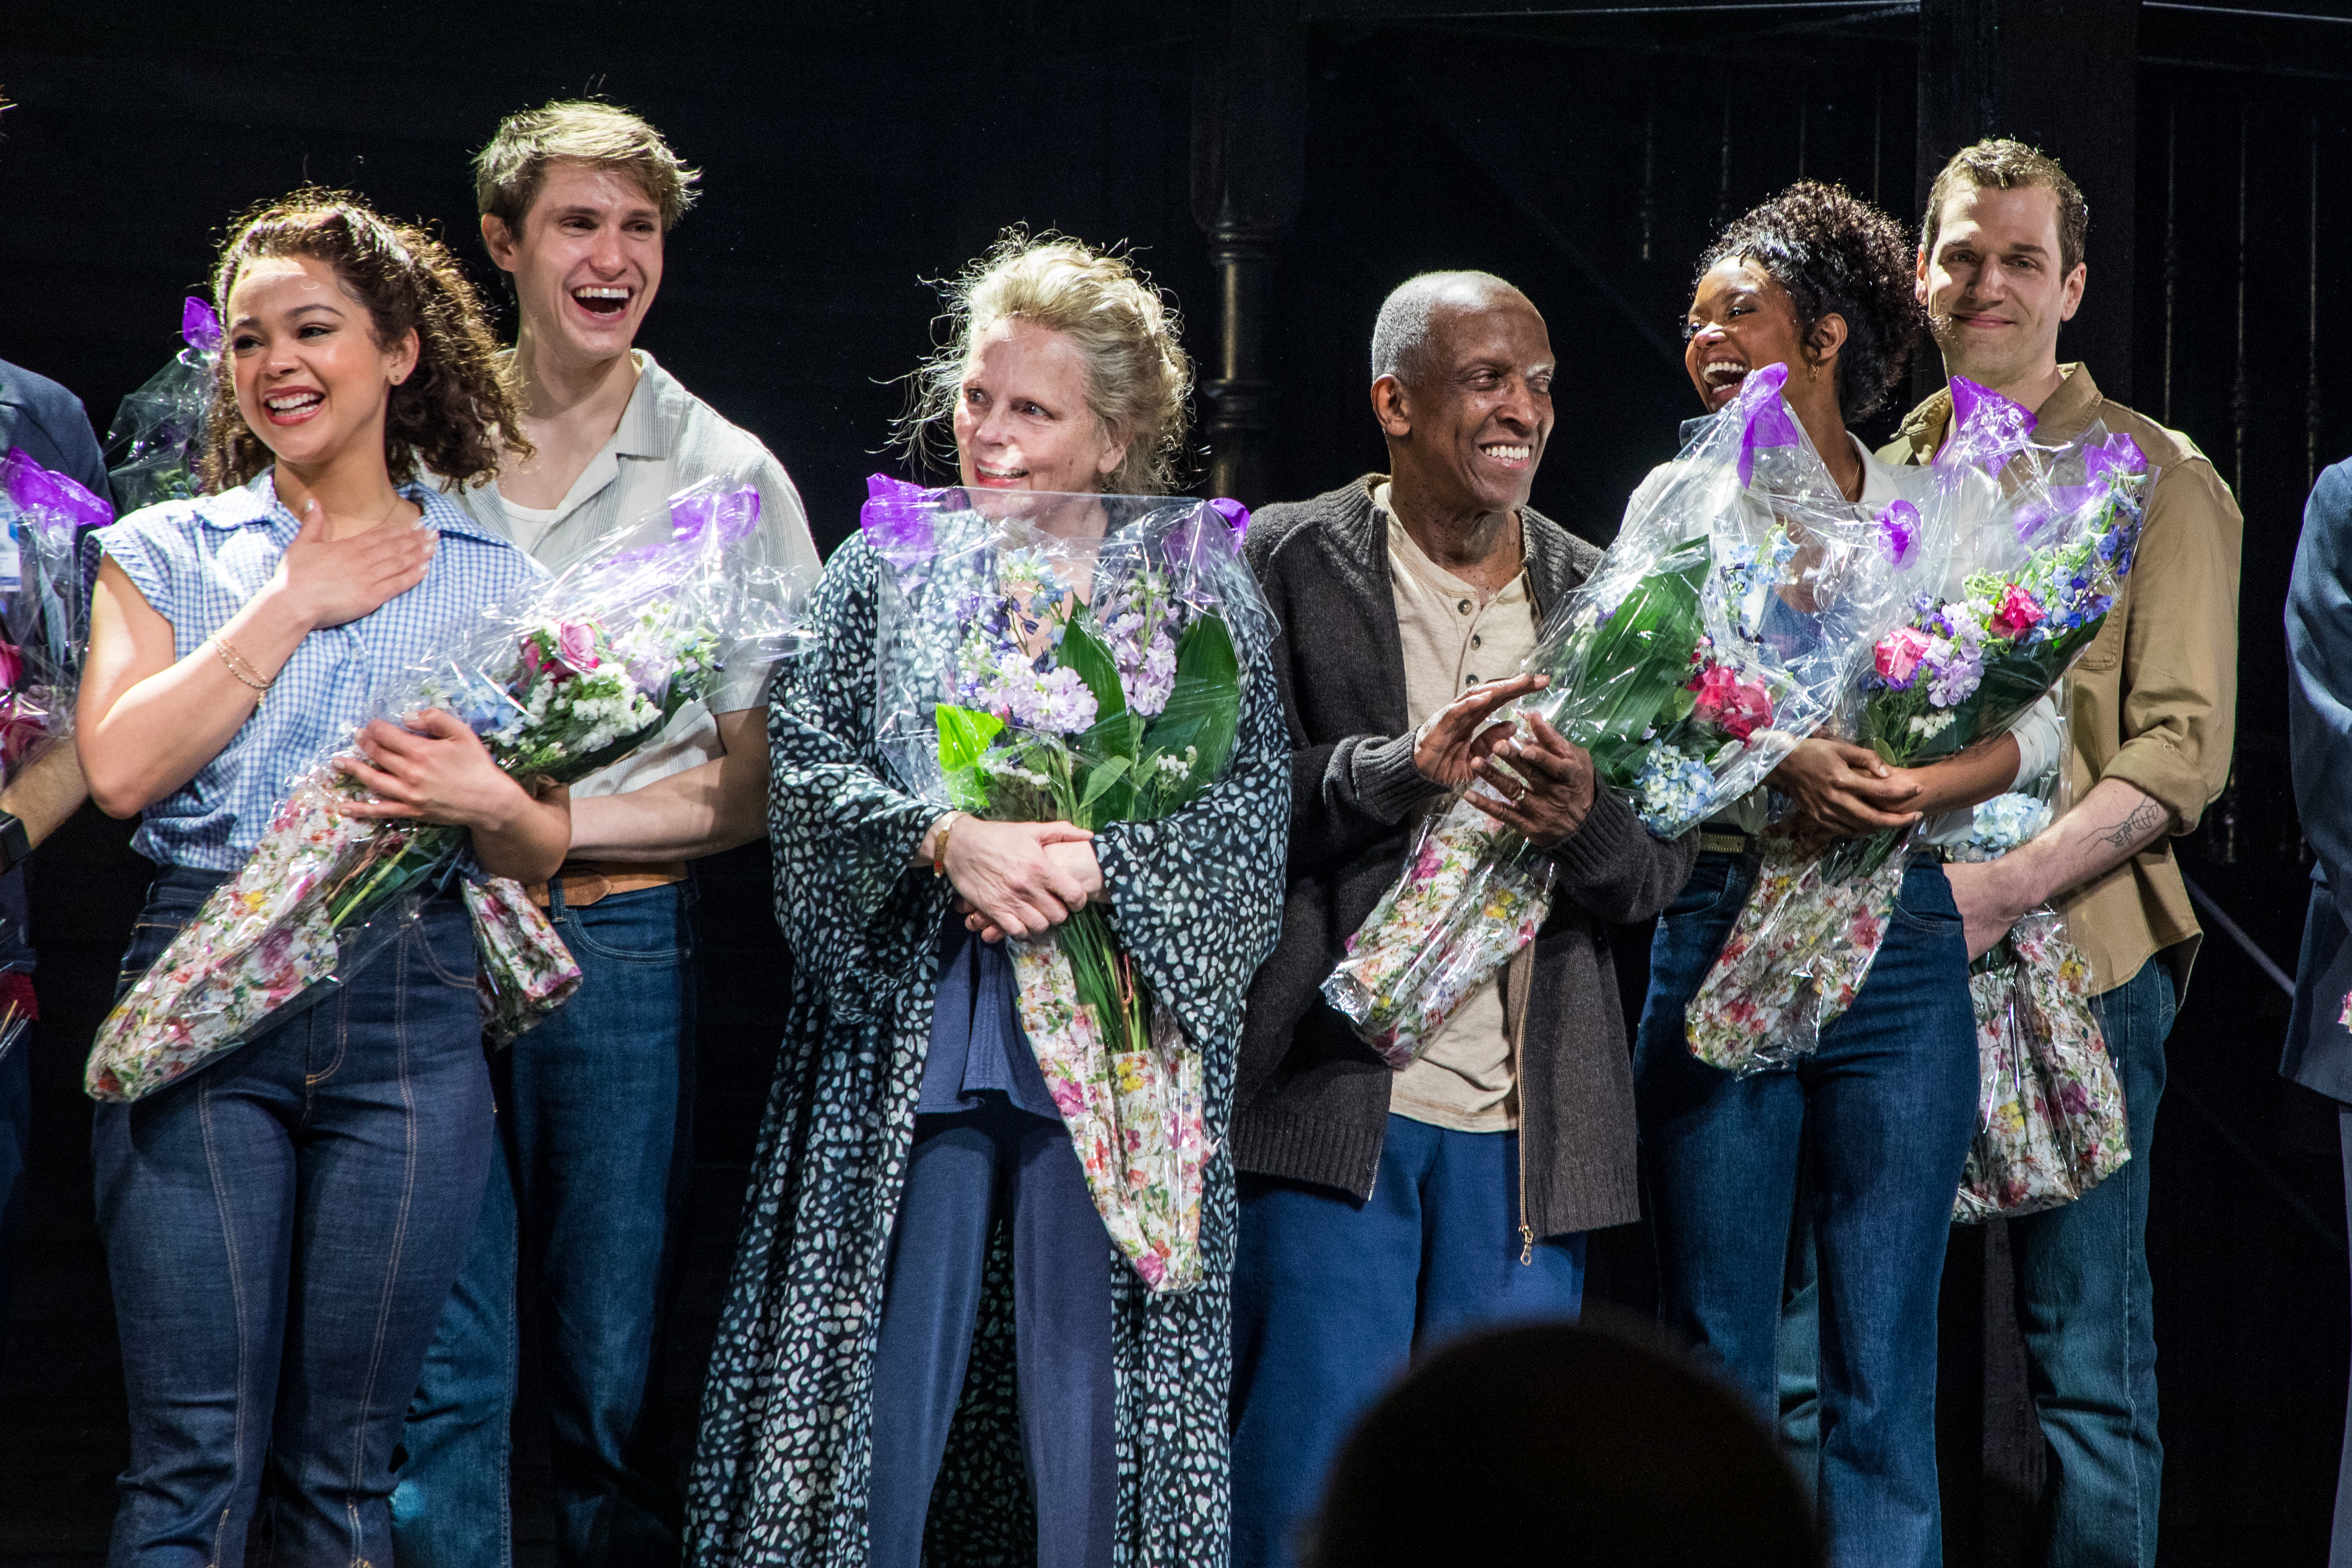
782, 1470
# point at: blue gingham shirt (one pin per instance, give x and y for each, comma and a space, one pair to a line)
199, 562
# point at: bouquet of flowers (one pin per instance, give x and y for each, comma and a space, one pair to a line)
2040, 540
571, 677
1078, 658
1738, 600
159, 430
41, 638
2050, 1121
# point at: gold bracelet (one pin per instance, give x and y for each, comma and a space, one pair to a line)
243, 670
939, 849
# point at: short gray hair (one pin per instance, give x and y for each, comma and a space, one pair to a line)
1401, 335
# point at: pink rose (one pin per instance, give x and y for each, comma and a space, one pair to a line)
576, 645
1899, 652
12, 665
1737, 707
2017, 613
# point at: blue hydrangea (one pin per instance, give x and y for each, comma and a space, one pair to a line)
1673, 790
2005, 821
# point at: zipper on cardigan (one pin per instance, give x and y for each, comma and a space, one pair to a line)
1522, 976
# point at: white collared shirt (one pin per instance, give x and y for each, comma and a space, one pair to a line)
666, 440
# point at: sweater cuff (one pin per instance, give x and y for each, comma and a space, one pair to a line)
1604, 842
1386, 783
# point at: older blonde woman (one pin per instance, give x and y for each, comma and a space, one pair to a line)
926, 1303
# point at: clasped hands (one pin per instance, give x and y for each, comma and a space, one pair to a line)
1019, 879
1536, 781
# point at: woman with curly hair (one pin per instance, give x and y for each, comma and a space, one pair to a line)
282, 1227
926, 1304
1858, 1148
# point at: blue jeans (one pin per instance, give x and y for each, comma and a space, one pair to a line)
1333, 1298
585, 1219
2084, 1301
965, 1171
1881, 1116
281, 1229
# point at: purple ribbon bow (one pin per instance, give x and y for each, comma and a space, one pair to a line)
897, 519
1765, 419
56, 501
199, 327
733, 513
2118, 452
1988, 429
1898, 531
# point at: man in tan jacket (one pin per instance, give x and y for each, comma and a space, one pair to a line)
2154, 700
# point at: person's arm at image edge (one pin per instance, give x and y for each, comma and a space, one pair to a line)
2179, 712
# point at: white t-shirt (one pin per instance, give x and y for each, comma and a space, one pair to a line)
666, 440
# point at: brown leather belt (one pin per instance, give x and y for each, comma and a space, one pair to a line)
585, 882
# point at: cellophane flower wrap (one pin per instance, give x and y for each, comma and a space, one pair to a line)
2035, 543
570, 675
158, 431
42, 514
1740, 597
2050, 1110
1049, 657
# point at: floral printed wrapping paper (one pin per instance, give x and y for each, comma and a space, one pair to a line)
2050, 1114
1047, 657
580, 671
1739, 599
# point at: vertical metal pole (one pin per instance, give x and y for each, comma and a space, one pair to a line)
1723, 179
1248, 176
1878, 132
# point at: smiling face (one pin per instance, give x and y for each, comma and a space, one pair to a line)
1021, 422
1994, 287
1469, 431
587, 261
1740, 320
311, 380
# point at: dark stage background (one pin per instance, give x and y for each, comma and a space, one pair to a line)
853, 150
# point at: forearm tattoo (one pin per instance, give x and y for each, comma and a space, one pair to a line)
2145, 820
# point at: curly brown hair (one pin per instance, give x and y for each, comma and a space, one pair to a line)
1836, 255
455, 414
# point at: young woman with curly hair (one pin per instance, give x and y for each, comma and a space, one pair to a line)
282, 1227
1857, 1150
926, 1304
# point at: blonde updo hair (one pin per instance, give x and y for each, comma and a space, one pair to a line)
1139, 378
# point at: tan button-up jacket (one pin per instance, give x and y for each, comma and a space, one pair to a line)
2154, 697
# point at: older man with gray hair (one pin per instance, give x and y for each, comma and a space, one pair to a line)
1381, 1211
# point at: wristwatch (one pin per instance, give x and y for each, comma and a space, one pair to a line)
15, 844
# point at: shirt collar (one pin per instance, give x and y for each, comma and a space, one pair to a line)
255, 504
650, 417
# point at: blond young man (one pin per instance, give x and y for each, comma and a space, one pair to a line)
584, 1223
2154, 707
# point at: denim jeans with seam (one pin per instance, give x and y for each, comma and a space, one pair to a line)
1334, 1296
2085, 1303
583, 1228
1880, 1114
281, 1229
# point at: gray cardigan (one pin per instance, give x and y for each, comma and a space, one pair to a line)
1311, 1101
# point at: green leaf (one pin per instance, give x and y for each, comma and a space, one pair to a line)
964, 736
1648, 643
1100, 778
1203, 709
1083, 650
